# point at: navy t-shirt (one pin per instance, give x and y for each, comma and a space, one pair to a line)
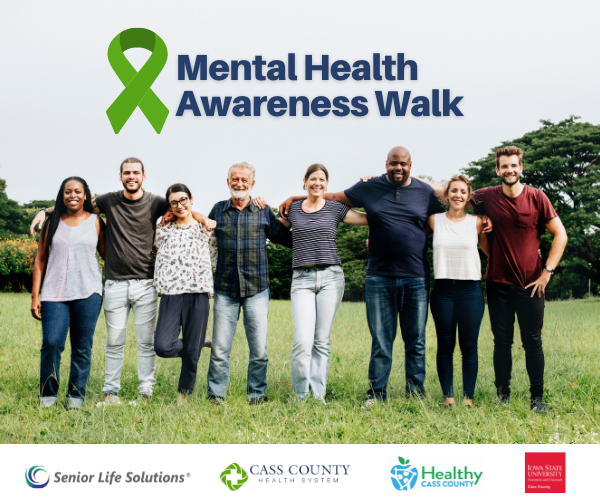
397, 217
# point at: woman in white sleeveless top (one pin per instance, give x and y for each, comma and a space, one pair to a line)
457, 299
66, 268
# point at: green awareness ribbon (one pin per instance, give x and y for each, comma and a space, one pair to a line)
137, 91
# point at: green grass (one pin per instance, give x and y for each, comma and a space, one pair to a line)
571, 345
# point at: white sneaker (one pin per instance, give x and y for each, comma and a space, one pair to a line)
74, 403
109, 399
47, 401
141, 399
369, 404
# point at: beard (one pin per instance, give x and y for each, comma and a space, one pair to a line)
132, 190
396, 182
239, 194
511, 183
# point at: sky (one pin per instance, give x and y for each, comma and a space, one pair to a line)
514, 63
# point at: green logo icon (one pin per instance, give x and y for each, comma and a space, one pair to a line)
234, 477
137, 91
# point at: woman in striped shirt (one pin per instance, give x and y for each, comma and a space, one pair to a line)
457, 299
318, 280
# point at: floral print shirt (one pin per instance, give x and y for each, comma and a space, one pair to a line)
183, 260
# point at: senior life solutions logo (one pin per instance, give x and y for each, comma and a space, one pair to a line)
137, 92
37, 477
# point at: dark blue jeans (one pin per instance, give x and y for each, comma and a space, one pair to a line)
387, 299
80, 317
457, 303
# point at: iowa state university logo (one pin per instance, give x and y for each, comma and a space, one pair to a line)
545, 473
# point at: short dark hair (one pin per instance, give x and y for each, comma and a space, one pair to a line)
131, 159
177, 188
509, 151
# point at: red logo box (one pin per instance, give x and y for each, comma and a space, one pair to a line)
545, 473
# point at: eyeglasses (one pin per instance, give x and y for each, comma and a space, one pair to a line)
184, 201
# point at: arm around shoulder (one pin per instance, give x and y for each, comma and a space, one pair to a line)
339, 196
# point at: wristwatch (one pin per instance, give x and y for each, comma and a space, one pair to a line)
550, 269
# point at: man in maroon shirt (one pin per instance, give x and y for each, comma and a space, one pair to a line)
516, 279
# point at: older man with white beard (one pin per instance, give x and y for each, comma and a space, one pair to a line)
242, 281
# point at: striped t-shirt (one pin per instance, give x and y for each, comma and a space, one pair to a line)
314, 234
455, 255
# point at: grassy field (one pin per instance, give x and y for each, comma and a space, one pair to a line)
571, 344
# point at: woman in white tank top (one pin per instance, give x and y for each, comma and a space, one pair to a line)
66, 268
457, 299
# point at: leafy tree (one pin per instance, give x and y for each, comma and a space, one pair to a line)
563, 160
37, 204
352, 250
280, 270
13, 217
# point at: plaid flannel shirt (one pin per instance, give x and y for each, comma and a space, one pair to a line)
242, 268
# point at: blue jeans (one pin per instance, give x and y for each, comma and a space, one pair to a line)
316, 295
226, 315
457, 303
78, 316
387, 299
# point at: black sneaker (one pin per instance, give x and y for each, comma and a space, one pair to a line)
418, 395
538, 406
504, 400
216, 400
258, 401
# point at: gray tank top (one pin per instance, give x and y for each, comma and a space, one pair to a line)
73, 272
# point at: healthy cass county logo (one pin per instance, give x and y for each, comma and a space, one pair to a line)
404, 476
37, 477
440, 472
234, 477
137, 92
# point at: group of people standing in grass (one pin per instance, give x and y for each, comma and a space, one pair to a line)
401, 212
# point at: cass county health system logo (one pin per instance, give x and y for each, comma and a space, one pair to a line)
37, 477
404, 476
234, 477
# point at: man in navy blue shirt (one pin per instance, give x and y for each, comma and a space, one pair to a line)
397, 282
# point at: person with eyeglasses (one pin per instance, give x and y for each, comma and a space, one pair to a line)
131, 215
183, 276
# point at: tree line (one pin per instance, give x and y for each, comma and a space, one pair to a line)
562, 159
